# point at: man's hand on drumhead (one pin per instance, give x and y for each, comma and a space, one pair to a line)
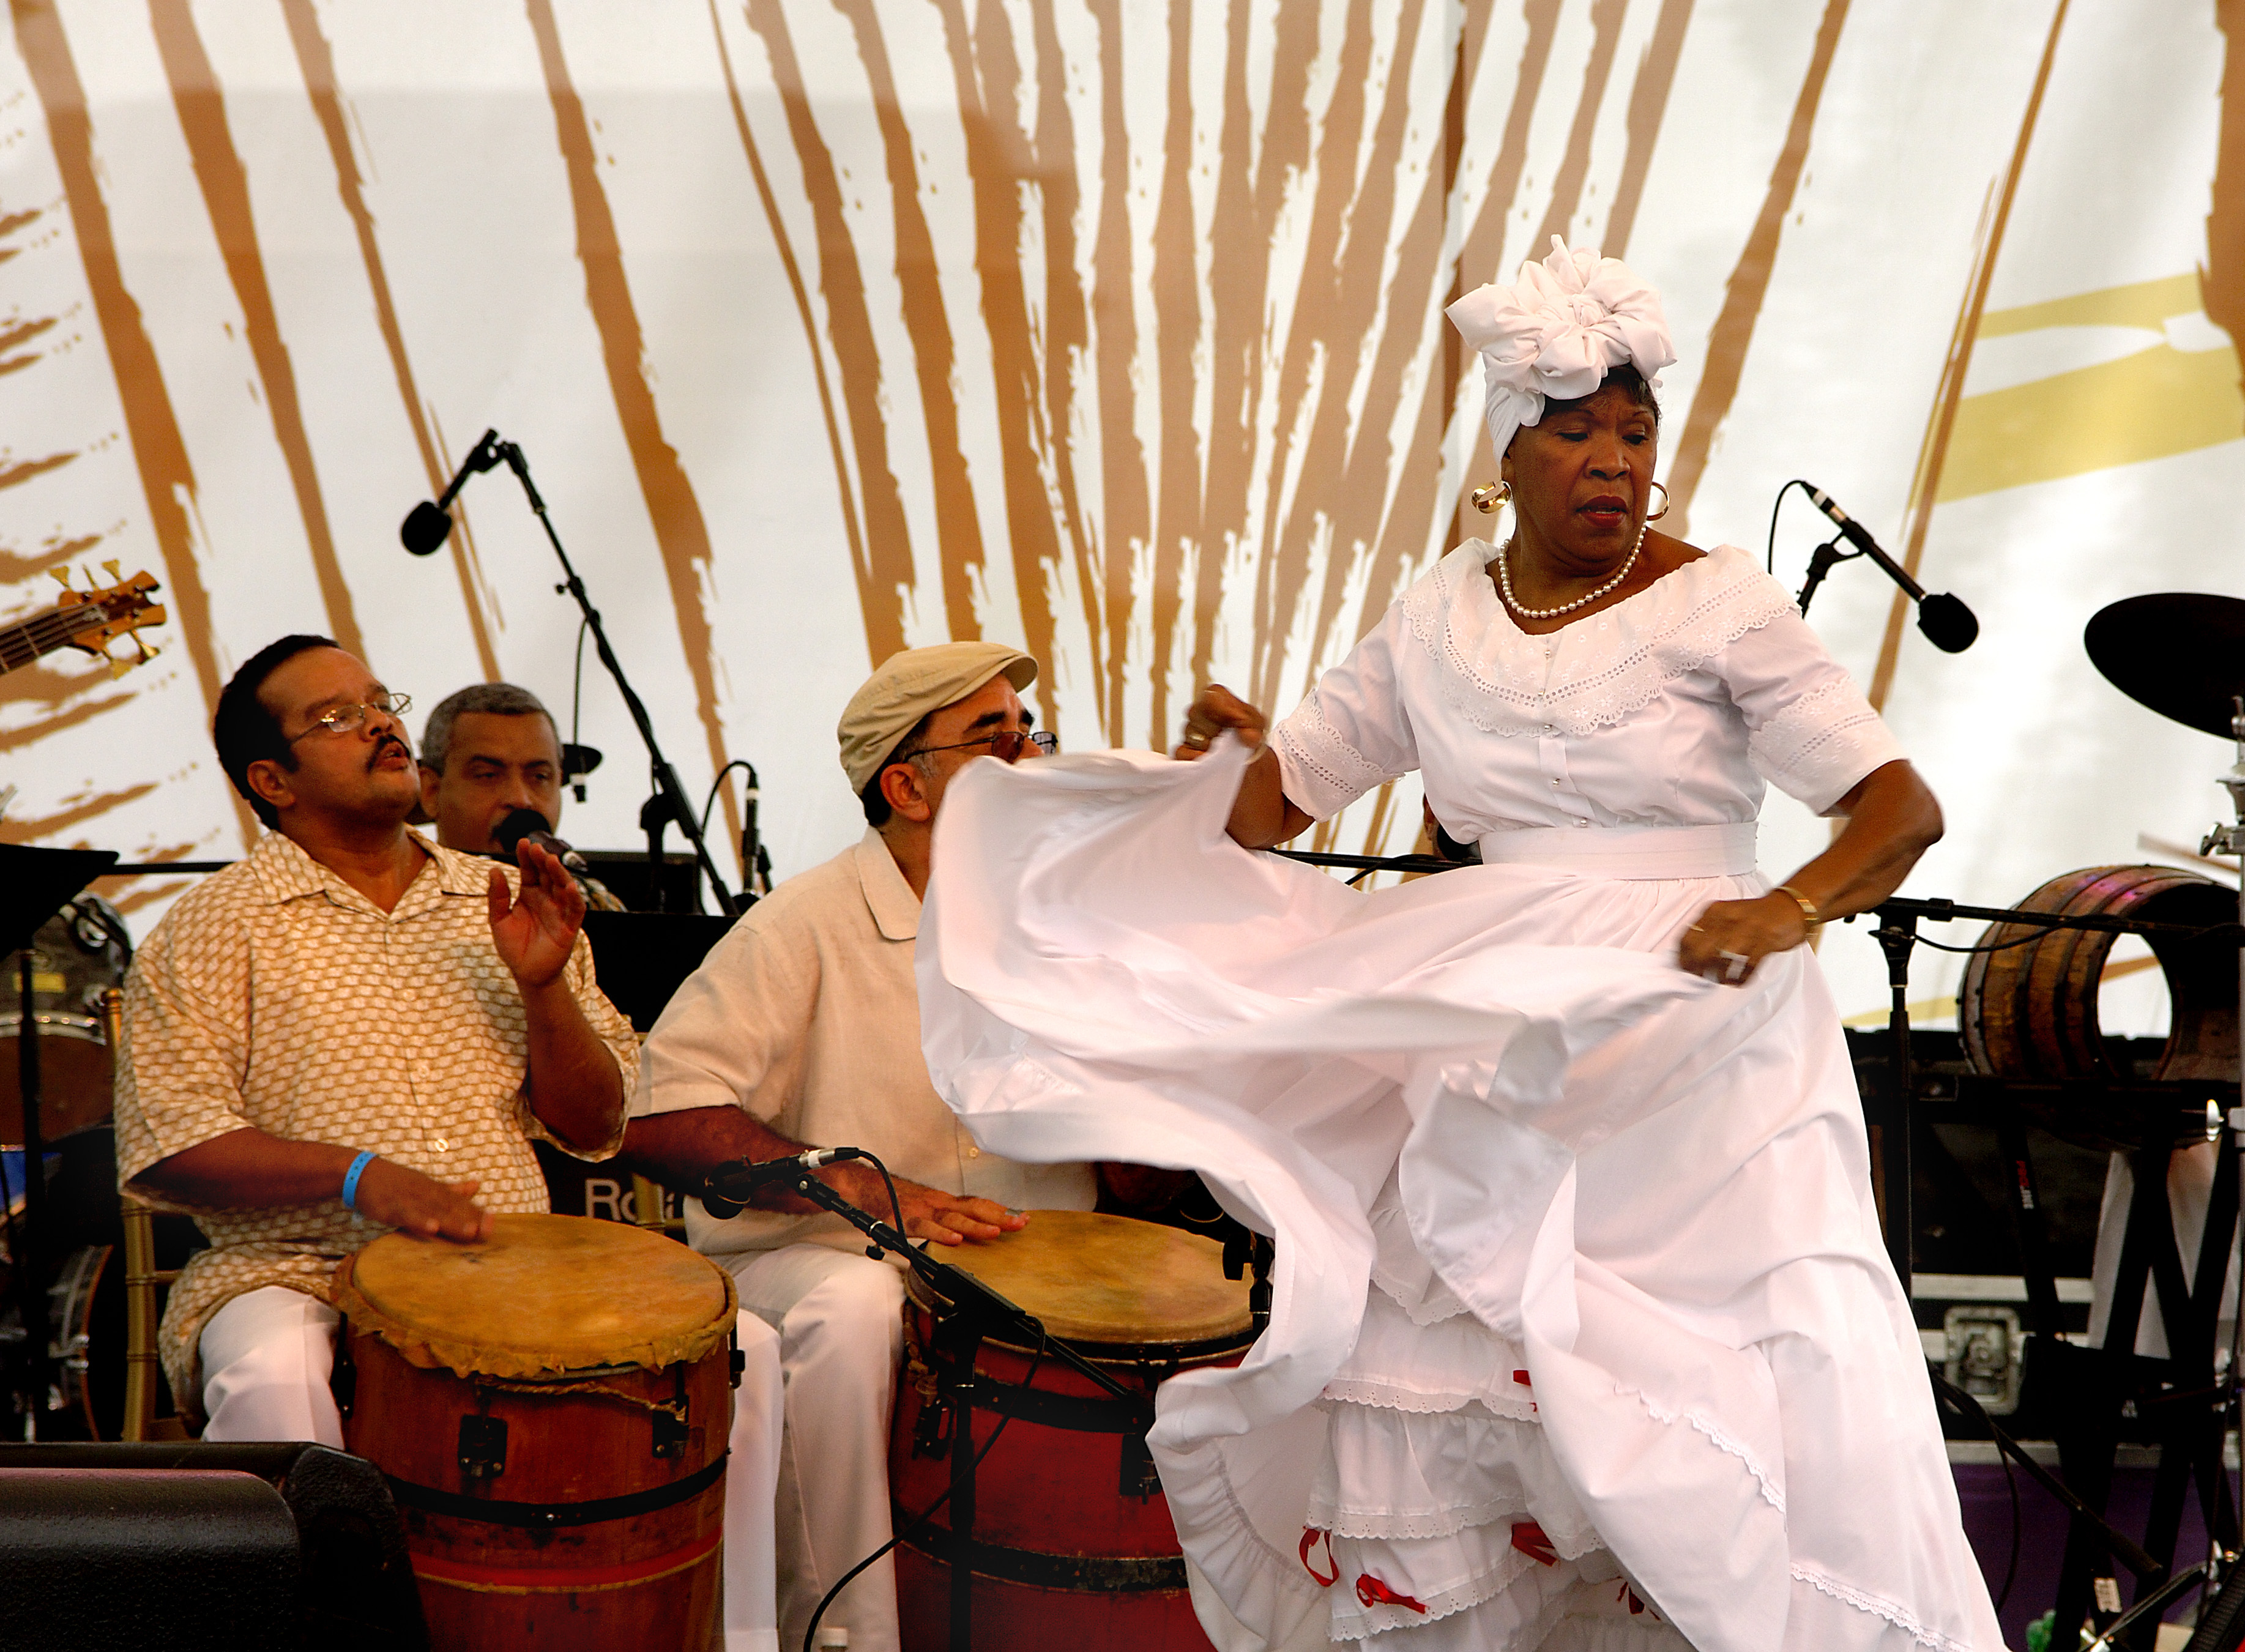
533, 931
1216, 709
930, 1214
398, 1197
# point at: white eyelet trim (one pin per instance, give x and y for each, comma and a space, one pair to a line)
1503, 682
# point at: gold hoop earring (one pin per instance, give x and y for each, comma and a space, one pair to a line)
1663, 510
1486, 500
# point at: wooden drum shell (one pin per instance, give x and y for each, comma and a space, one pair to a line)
646, 1578
2029, 1013
1107, 1567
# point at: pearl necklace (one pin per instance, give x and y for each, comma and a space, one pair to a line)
1504, 583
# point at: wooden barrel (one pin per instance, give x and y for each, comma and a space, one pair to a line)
1074, 1543
551, 1408
2029, 1011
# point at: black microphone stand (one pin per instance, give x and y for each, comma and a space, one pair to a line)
1828, 557
973, 1312
669, 803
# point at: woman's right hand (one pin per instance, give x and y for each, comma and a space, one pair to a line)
1216, 709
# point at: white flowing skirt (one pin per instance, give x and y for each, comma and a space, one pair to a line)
1582, 1337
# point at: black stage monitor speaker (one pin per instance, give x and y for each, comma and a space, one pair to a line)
186, 1545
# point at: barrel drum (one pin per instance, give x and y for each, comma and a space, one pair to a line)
1073, 1543
551, 1408
2029, 1011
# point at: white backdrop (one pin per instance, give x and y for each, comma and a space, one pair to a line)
1107, 328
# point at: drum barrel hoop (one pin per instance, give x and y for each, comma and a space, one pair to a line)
1084, 1574
551, 1516
582, 1579
1079, 1413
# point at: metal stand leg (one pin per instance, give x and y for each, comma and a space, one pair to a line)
961, 1341
1897, 937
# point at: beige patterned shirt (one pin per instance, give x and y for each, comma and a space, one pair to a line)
277, 995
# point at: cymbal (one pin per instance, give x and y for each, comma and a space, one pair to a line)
2181, 652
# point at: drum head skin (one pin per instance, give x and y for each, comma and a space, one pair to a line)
1108, 1279
543, 1296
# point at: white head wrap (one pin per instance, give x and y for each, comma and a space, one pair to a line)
1556, 331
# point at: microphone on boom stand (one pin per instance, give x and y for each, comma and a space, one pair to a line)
1946, 623
428, 524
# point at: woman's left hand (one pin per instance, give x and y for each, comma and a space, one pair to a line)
1730, 939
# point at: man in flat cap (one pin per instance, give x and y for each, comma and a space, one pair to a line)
803, 1029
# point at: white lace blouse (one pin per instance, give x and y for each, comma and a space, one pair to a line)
1670, 708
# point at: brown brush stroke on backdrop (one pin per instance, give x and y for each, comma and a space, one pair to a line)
671, 506
1731, 335
885, 573
38, 684
1246, 208
225, 187
1575, 165
879, 646
315, 60
1484, 244
1177, 524
986, 76
1347, 459
1648, 103
1126, 523
2222, 280
1066, 351
1925, 486
166, 481
919, 291
1337, 287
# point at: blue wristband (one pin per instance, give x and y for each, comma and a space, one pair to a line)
350, 1179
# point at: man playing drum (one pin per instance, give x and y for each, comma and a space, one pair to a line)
803, 1028
356, 1030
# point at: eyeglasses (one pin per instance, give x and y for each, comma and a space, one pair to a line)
1006, 745
348, 720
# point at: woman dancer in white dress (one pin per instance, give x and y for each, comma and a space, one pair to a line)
1577, 1251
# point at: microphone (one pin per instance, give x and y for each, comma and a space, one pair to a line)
527, 825
749, 848
428, 524
1946, 623
741, 1177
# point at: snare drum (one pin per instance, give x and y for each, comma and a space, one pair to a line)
1074, 1545
551, 1408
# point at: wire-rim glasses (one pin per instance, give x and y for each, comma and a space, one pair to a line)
1006, 745
348, 720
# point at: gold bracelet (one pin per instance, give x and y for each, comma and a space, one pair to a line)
1809, 913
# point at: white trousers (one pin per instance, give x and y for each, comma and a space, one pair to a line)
267, 1354
840, 1319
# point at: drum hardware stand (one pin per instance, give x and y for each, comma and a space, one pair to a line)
974, 1313
2099, 1383
37, 883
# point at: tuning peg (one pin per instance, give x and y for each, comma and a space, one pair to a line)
118, 667
60, 576
116, 570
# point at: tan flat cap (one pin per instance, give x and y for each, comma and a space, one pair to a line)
910, 685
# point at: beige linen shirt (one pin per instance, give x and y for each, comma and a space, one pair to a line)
807, 1015
277, 995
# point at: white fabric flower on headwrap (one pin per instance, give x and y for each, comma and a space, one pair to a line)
1556, 331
